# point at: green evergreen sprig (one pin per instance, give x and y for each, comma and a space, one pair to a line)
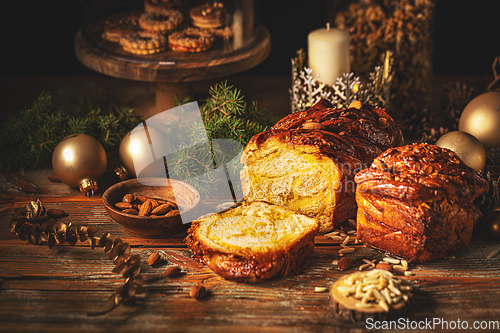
226, 115
28, 138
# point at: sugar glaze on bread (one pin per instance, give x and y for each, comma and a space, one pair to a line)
415, 202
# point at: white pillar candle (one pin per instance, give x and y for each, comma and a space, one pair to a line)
328, 53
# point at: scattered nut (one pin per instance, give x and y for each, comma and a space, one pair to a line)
198, 291
343, 264
319, 289
313, 126
491, 255
55, 213
346, 249
53, 178
400, 267
385, 266
355, 105
154, 259
392, 260
173, 271
374, 287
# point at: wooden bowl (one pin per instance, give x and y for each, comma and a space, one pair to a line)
186, 196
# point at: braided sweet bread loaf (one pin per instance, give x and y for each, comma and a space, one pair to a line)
415, 202
308, 160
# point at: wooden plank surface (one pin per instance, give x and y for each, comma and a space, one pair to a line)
54, 289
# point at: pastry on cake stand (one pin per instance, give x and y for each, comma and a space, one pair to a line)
174, 72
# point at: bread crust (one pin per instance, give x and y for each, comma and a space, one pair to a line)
246, 263
415, 202
348, 138
369, 123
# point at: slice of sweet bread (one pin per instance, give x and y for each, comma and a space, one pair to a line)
253, 242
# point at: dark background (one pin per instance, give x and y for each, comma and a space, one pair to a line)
38, 36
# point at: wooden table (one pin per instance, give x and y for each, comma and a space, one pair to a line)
51, 290
54, 289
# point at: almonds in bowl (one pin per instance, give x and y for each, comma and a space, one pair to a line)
153, 207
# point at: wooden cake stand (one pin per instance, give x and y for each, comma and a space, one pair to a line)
173, 71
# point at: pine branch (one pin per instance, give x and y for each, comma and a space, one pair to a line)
28, 138
226, 115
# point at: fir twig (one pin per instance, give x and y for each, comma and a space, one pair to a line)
28, 138
226, 116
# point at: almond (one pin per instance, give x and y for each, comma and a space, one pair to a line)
154, 203
385, 266
162, 209
173, 271
355, 105
145, 209
128, 198
141, 198
154, 259
313, 125
198, 291
173, 212
53, 178
55, 213
131, 211
173, 203
344, 264
124, 205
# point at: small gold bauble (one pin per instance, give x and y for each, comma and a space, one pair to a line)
466, 146
126, 156
492, 225
136, 148
481, 118
79, 160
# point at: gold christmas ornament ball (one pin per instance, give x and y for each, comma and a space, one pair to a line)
492, 225
125, 153
481, 118
79, 160
466, 146
135, 148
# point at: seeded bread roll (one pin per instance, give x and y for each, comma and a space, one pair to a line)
253, 242
415, 202
307, 161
